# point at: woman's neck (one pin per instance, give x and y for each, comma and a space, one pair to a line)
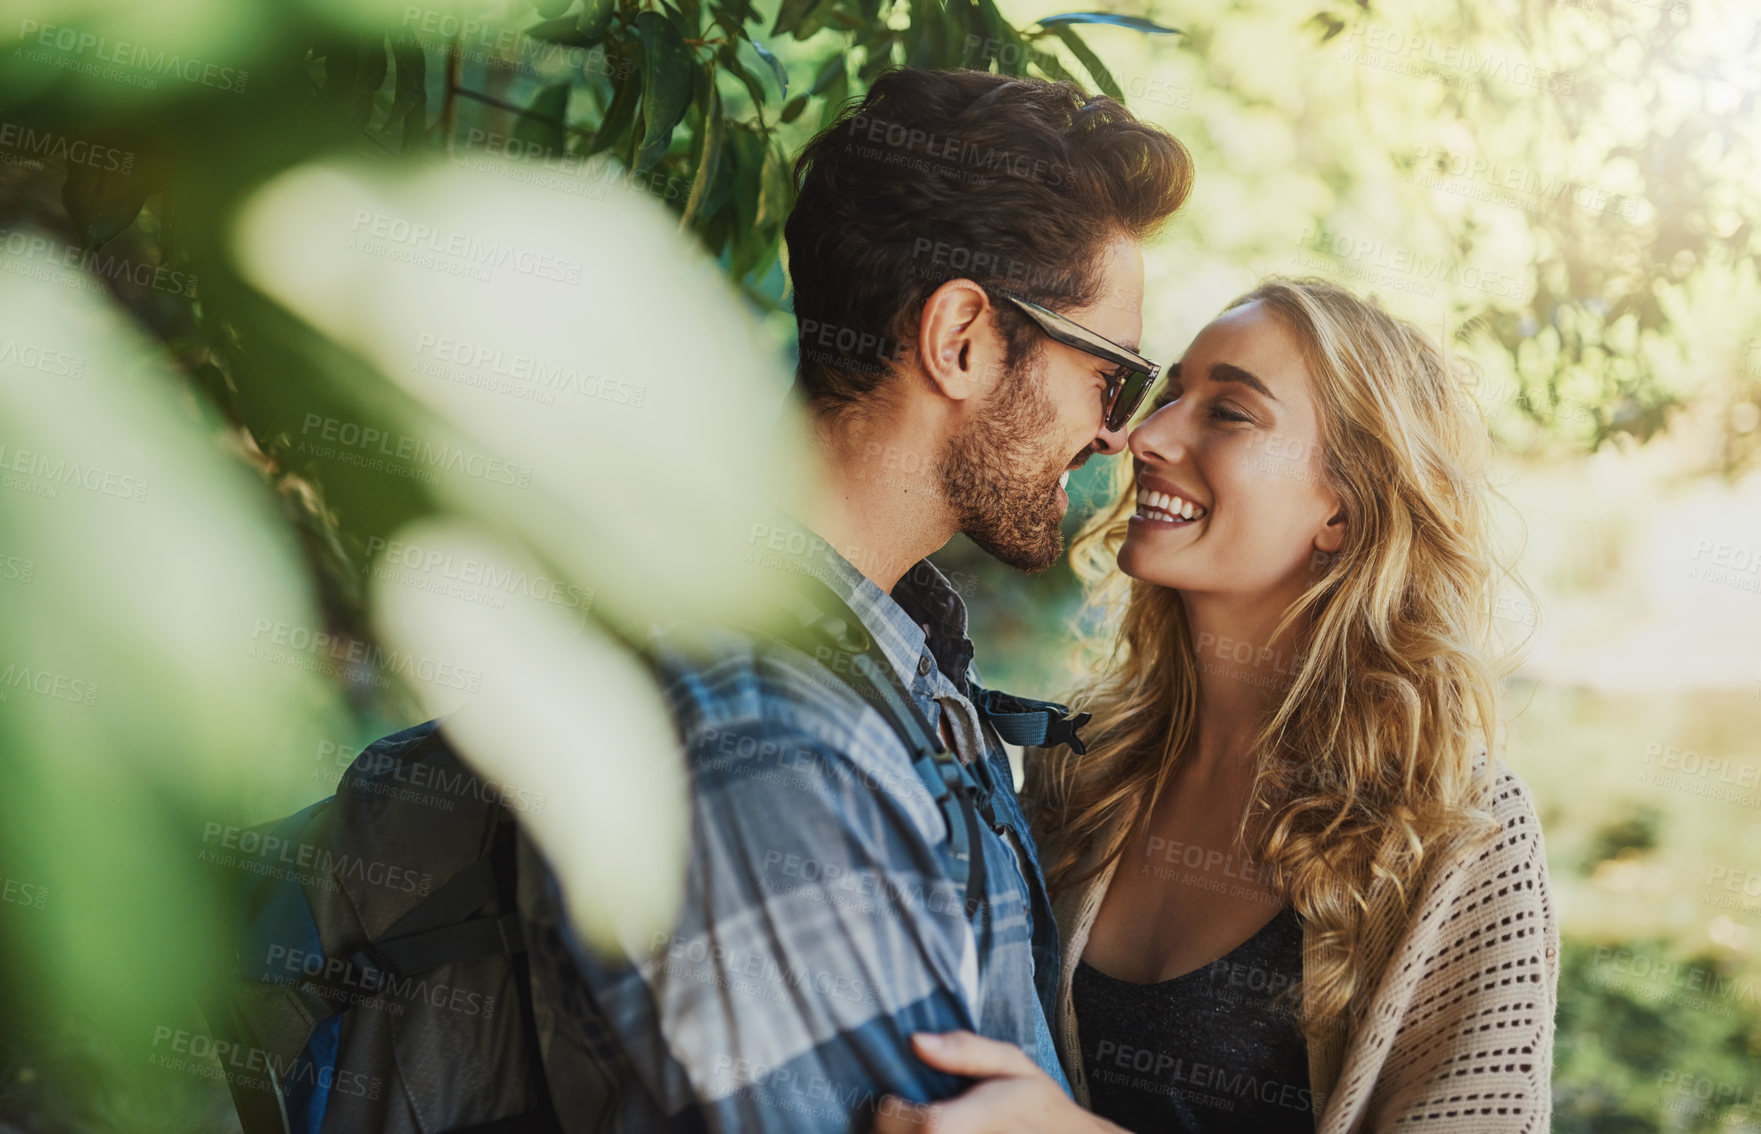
1242, 671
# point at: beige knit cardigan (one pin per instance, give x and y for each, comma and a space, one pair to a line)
1457, 1034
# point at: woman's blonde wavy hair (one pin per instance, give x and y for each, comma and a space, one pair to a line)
1372, 760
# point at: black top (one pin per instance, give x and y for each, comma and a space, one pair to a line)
1215, 1049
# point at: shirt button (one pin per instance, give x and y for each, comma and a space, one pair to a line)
923, 664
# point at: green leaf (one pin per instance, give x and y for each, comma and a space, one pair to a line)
1135, 23
1327, 24
565, 30
1091, 62
731, 63
543, 122
668, 71
618, 116
551, 9
776, 66
1048, 62
789, 14
835, 92
880, 57
409, 104
817, 17
708, 158
733, 15
793, 108
1011, 50
596, 18
834, 68
747, 150
102, 202
776, 190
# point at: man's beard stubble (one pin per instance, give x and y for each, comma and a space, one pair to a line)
1000, 479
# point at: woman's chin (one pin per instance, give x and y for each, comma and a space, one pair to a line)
1147, 567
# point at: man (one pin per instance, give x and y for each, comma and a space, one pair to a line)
943, 227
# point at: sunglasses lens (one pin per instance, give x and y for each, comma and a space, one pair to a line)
1125, 403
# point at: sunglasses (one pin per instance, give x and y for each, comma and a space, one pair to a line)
1126, 386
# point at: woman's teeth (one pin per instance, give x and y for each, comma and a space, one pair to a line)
1064, 481
1162, 506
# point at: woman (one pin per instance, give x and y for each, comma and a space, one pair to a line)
1294, 892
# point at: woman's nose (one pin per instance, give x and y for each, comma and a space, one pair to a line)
1157, 437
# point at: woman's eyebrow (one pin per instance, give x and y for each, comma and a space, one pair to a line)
1229, 372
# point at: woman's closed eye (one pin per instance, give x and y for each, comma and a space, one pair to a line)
1223, 411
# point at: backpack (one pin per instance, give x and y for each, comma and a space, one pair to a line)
378, 977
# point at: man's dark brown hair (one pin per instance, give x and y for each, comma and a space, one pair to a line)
938, 175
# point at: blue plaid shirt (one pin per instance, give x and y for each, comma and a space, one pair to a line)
821, 924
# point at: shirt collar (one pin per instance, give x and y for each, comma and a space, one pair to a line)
923, 611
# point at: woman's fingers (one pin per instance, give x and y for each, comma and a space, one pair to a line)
969, 1054
896, 1116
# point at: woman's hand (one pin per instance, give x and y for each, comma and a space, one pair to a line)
1016, 1098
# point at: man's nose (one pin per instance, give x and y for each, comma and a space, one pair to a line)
1109, 442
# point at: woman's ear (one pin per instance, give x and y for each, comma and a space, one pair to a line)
1332, 537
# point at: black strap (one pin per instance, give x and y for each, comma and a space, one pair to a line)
540, 1121
257, 1099
448, 945
1026, 722
461, 895
436, 933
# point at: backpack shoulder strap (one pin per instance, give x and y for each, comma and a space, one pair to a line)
822, 625
1028, 722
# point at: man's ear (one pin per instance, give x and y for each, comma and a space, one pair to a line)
1332, 537
956, 341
